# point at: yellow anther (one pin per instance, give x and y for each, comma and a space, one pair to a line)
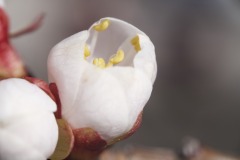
118, 57
136, 43
102, 26
99, 62
86, 51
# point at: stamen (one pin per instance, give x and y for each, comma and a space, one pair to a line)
99, 62
118, 57
102, 26
86, 51
136, 43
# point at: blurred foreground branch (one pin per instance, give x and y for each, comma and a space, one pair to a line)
139, 154
191, 150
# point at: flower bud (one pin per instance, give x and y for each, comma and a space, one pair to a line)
28, 129
10, 63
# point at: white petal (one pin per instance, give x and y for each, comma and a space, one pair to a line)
28, 129
101, 105
66, 66
28, 98
145, 59
29, 137
136, 87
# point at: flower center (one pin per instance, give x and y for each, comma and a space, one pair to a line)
102, 33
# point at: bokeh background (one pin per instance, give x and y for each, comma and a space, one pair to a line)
197, 90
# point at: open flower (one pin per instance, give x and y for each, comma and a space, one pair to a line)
104, 77
28, 129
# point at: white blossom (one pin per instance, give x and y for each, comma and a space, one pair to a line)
28, 129
104, 76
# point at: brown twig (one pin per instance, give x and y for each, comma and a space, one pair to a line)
30, 28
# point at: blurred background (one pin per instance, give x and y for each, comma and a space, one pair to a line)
197, 90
